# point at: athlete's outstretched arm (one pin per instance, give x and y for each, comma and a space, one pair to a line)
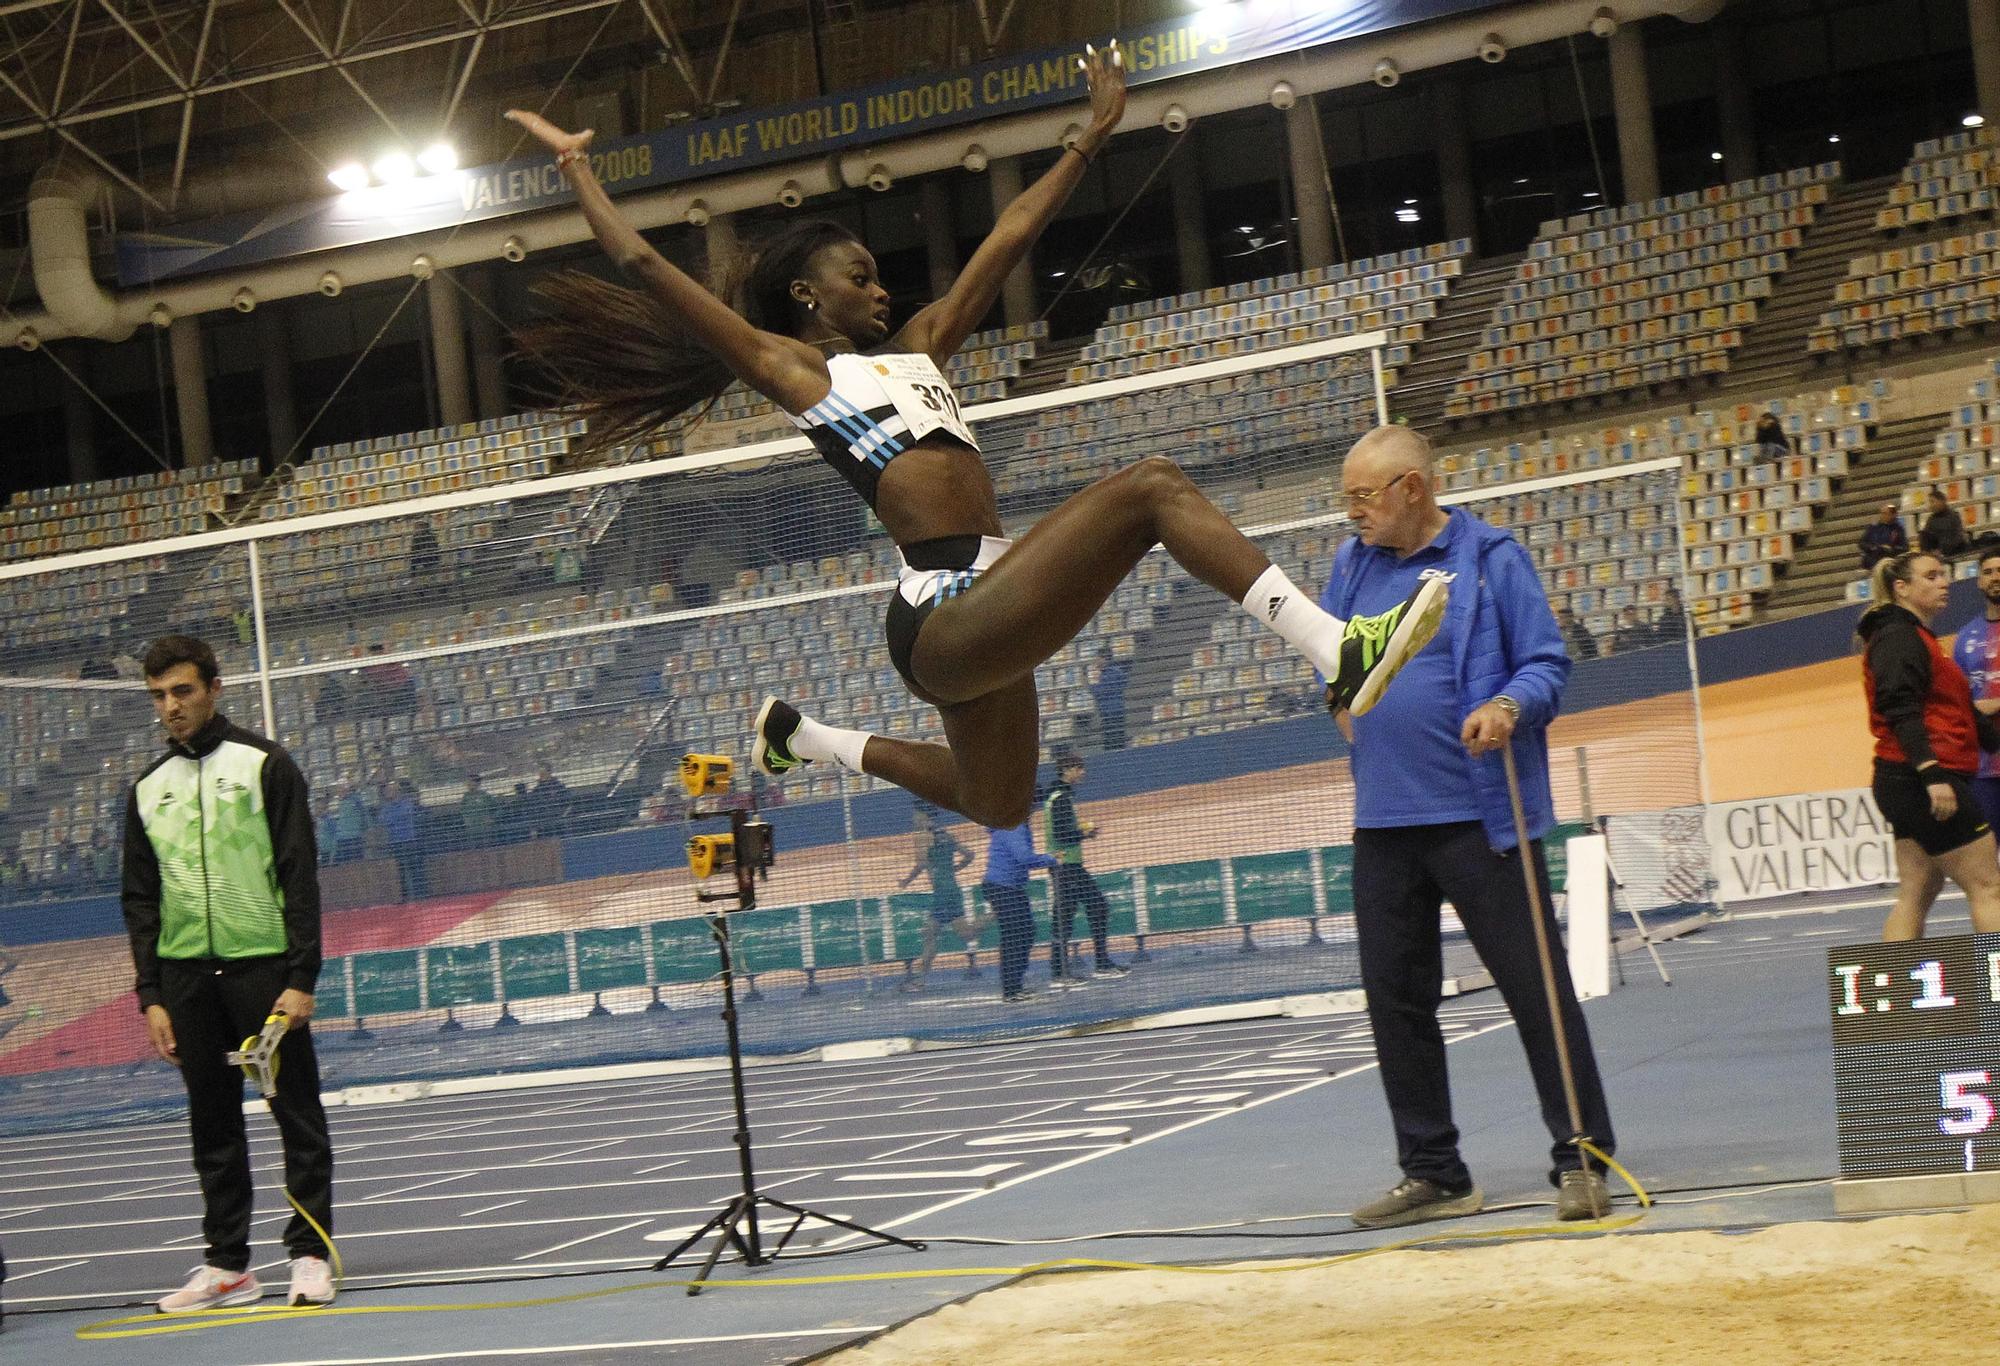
789, 373
942, 327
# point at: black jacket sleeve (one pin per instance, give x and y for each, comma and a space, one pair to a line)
1064, 830
140, 896
1901, 668
1988, 728
297, 854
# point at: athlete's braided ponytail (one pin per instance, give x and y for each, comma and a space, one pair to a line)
618, 358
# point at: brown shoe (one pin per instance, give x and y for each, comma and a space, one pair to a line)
1416, 1201
1582, 1196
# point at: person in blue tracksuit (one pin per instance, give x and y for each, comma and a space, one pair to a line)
1010, 858
1433, 821
1976, 650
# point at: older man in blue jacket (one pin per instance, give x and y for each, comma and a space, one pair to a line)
1433, 821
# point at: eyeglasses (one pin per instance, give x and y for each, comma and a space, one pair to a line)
1364, 497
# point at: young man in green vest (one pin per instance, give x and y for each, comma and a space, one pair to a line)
221, 898
1073, 887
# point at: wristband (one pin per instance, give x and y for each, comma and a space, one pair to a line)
567, 158
1087, 157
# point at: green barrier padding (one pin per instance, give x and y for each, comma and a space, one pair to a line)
386, 982
610, 958
1185, 896
769, 941
534, 965
458, 975
1273, 886
684, 951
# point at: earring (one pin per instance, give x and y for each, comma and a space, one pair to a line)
812, 305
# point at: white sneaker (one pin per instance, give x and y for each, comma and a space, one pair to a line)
212, 1288
312, 1281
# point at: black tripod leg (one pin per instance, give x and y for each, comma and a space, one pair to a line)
847, 1224
719, 1218
727, 1219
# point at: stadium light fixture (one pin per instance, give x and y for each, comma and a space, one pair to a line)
1974, 120
394, 167
349, 177
438, 158
1715, 156
1408, 216
1833, 139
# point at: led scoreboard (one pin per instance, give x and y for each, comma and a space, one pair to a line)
1916, 1070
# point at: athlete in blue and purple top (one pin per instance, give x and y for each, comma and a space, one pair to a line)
1977, 651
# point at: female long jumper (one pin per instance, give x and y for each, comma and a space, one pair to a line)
973, 614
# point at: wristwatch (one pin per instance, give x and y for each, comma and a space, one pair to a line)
1510, 706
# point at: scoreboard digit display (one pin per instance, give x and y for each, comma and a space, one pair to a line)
1916, 1064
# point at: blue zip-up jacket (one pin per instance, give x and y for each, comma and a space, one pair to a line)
1503, 639
1011, 856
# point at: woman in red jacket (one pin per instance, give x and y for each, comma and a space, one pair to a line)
1928, 736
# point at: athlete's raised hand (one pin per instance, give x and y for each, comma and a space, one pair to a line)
550, 136
1104, 69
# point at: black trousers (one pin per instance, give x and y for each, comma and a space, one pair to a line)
215, 1006
1017, 932
1401, 878
1075, 889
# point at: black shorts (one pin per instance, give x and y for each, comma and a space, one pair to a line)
932, 572
1904, 798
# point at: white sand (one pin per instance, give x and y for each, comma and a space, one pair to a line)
1915, 1288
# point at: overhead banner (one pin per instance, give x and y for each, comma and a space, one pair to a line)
1812, 842
903, 108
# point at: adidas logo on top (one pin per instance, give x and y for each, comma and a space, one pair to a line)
1277, 603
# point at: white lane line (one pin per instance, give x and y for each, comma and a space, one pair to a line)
587, 1238
504, 1204
404, 1190
579, 1349
800, 1133
1167, 1131
586, 1148
648, 1171
912, 1147
27, 1275
979, 1173
1814, 934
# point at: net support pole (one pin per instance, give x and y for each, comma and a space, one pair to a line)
262, 638
1381, 393
1537, 915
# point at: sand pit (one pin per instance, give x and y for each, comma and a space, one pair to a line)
1890, 1290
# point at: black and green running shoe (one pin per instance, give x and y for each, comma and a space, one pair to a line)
1374, 649
771, 738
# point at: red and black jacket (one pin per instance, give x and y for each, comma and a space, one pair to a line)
1919, 701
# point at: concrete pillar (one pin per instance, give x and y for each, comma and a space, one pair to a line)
1984, 16
191, 392
1190, 222
1017, 296
940, 236
724, 249
79, 415
1632, 106
454, 379
1453, 149
489, 374
1732, 98
1312, 200
281, 412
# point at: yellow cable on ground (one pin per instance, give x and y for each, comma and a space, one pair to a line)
152, 1325
259, 1059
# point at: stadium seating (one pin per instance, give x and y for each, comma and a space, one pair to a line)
1397, 293
1640, 295
1946, 179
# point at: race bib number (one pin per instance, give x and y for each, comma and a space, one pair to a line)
922, 398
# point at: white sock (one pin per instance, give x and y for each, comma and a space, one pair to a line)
1277, 602
814, 740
